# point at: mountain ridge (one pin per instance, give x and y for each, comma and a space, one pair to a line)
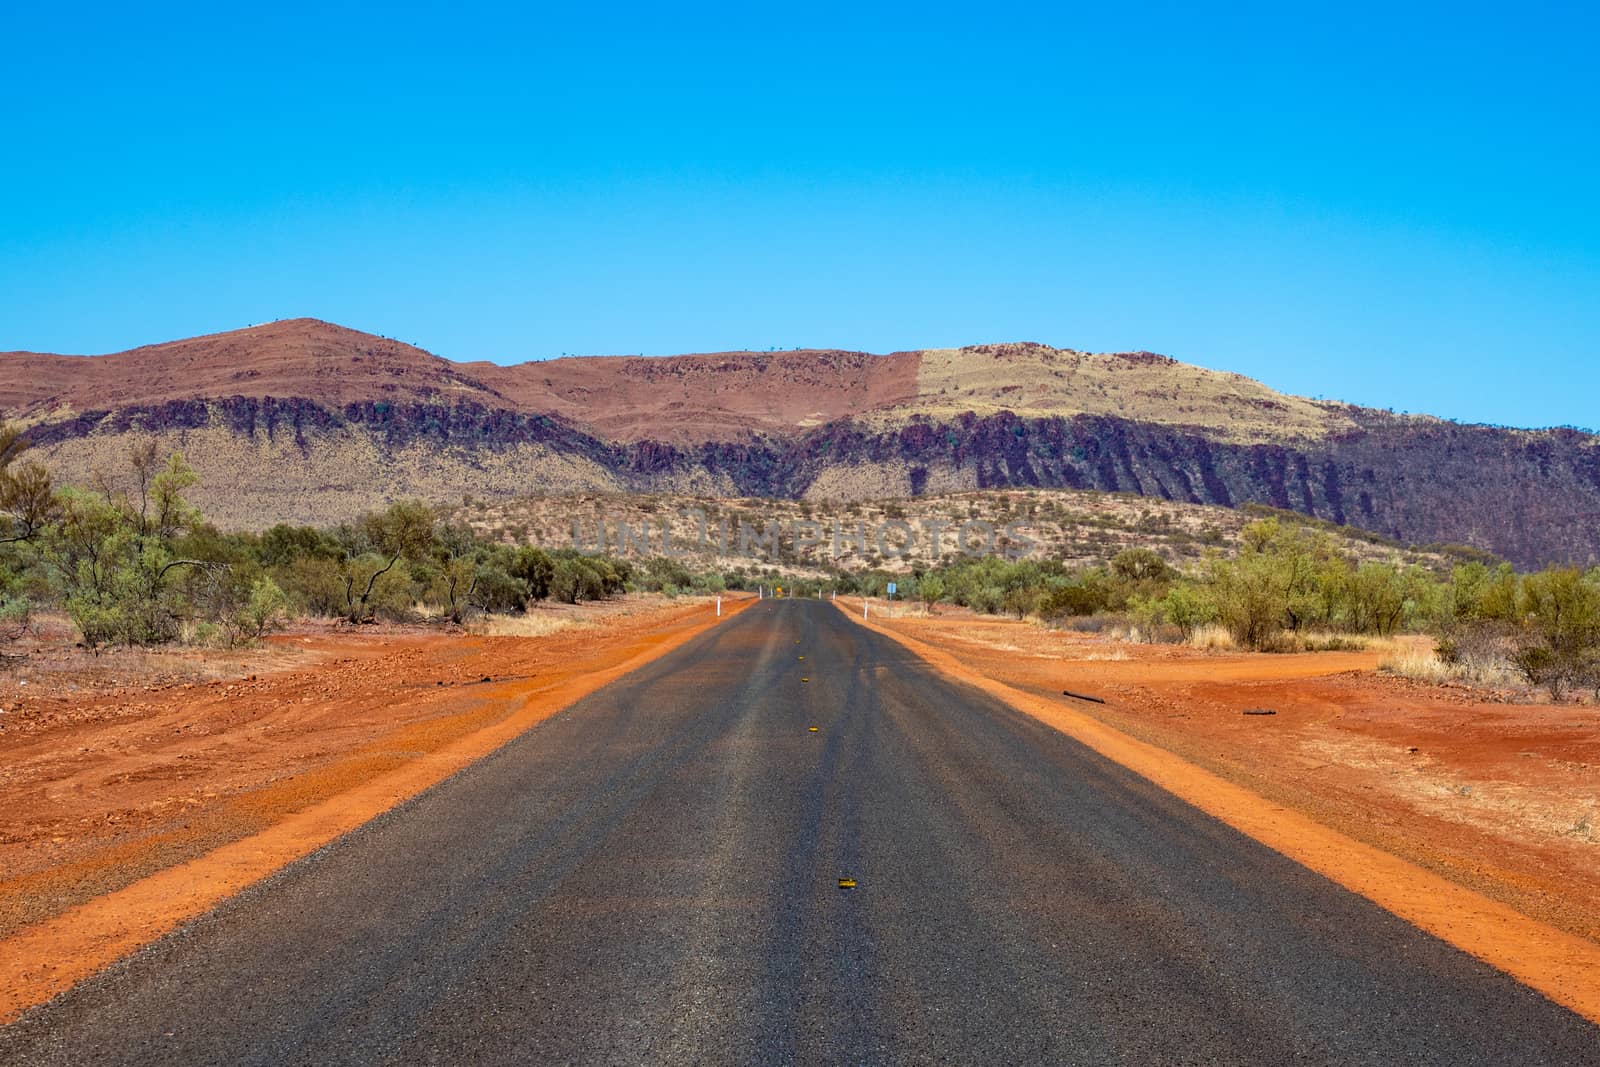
325, 361
309, 421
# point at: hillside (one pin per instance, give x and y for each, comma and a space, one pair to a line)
1077, 527
678, 400
295, 358
307, 421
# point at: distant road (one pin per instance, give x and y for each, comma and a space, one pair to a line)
653, 876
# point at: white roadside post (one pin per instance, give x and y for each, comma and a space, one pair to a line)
719, 607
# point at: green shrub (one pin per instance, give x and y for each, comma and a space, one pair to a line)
534, 570
498, 592
313, 585
1187, 606
264, 610
1559, 643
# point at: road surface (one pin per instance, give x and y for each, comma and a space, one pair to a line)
653, 876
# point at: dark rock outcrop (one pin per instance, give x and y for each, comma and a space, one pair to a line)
1529, 496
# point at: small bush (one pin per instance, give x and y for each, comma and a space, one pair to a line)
264, 611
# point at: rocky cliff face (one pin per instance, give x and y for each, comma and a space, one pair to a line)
352, 437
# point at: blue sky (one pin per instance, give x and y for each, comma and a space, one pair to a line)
1392, 208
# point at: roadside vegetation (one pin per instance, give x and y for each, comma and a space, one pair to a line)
1289, 588
130, 561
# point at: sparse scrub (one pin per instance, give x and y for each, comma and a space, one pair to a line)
134, 562
130, 561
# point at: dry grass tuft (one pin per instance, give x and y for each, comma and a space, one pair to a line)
1423, 665
1398, 645
1212, 638
1215, 638
536, 624
1420, 665
1142, 634
1330, 642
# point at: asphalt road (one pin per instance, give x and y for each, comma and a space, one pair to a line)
653, 877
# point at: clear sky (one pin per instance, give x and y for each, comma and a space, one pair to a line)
1396, 208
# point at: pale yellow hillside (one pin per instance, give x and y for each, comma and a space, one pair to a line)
1037, 380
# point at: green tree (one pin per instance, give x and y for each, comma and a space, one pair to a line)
1271, 586
497, 592
534, 569
27, 506
572, 579
1188, 606
456, 586
112, 554
283, 545
403, 530
27, 497
1141, 565
1021, 600
264, 611
1559, 643
1378, 594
